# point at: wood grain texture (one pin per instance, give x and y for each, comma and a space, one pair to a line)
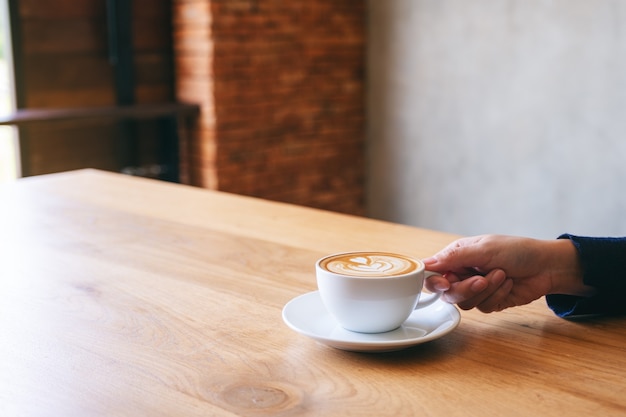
131, 297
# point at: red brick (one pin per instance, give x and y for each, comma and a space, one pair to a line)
283, 115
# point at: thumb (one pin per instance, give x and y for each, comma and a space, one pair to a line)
459, 256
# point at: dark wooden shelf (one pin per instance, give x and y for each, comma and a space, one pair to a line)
23, 117
175, 116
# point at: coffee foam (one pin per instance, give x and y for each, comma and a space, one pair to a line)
369, 264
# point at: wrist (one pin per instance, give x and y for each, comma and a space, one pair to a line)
566, 271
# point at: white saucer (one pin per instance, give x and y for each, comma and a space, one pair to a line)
307, 315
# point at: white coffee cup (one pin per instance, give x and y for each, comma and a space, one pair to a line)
371, 292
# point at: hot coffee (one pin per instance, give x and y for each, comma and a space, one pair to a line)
369, 264
371, 292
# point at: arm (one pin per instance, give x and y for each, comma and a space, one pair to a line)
494, 272
603, 262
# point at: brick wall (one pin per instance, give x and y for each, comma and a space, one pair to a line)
281, 84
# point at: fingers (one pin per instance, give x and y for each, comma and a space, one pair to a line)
440, 283
456, 289
486, 293
473, 291
464, 290
497, 301
459, 256
473, 272
437, 283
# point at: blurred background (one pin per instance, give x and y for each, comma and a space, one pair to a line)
280, 88
498, 116
463, 116
9, 168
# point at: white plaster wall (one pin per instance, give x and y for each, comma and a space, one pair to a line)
498, 116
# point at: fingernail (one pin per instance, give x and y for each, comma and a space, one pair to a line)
431, 260
498, 277
479, 285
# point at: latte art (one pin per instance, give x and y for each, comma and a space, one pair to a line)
369, 264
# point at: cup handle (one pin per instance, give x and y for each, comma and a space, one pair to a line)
427, 299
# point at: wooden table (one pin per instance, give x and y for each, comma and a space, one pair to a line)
121, 296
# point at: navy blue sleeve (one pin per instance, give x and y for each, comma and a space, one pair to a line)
603, 260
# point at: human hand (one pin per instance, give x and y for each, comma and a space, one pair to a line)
493, 272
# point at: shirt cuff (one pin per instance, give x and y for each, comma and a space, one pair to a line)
572, 307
